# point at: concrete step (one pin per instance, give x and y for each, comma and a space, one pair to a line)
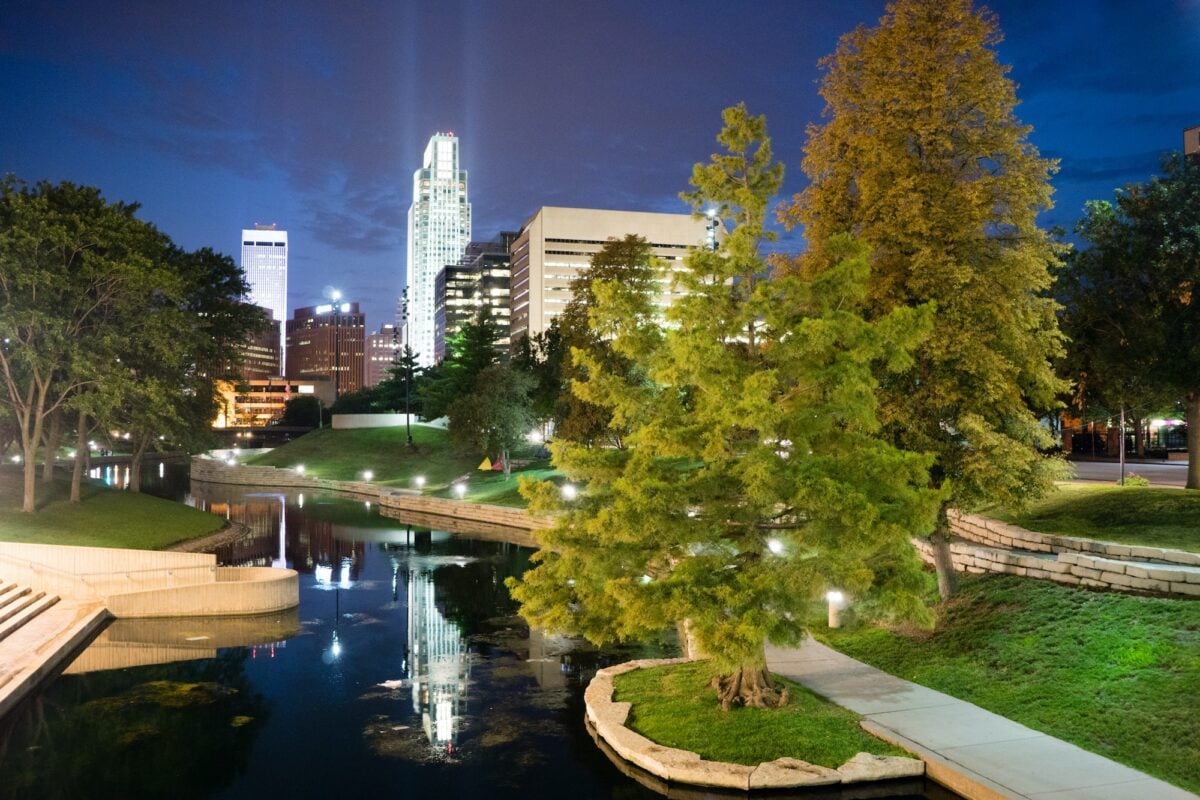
5, 586
41, 602
36, 650
14, 601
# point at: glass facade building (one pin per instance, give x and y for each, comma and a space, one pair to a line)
439, 228
265, 262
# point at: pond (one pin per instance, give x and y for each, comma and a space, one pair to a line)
405, 669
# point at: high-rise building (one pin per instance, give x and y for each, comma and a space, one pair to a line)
260, 353
460, 291
382, 350
1191, 142
556, 244
326, 341
265, 262
439, 228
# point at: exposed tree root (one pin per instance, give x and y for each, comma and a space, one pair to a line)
750, 687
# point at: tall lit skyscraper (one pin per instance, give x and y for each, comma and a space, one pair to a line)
439, 228
265, 260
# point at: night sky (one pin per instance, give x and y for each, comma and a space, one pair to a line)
311, 115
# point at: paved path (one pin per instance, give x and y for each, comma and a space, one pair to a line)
977, 753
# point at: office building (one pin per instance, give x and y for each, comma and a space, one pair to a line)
327, 341
556, 244
439, 228
261, 357
1191, 142
480, 279
265, 262
381, 351
259, 402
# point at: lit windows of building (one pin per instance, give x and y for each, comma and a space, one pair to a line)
327, 341
265, 262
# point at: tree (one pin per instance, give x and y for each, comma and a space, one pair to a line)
923, 159
469, 352
66, 255
629, 260
496, 415
543, 356
1131, 297
752, 479
302, 411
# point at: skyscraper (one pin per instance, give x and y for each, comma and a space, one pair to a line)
326, 341
265, 260
439, 228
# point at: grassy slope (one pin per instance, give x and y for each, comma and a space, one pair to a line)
1130, 515
346, 454
105, 517
674, 706
1115, 674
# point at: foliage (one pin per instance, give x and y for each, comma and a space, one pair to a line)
670, 708
1064, 661
578, 419
468, 352
495, 416
752, 479
1154, 517
923, 159
302, 411
1132, 301
543, 357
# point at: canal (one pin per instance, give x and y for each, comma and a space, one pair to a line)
405, 670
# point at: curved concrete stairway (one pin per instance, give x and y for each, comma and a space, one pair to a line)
38, 632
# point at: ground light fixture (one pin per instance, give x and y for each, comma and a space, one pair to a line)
419, 481
368, 475
569, 492
299, 469
775, 546
460, 489
836, 601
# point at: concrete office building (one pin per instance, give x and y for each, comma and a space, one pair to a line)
259, 402
556, 244
265, 262
327, 341
1191, 142
439, 228
261, 357
381, 351
481, 279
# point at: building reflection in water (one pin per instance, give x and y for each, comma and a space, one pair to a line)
438, 663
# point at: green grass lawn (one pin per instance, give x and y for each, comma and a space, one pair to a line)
347, 454
105, 517
674, 706
1129, 515
1115, 674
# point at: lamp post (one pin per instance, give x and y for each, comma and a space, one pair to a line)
337, 344
408, 372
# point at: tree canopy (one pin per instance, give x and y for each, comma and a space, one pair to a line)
752, 478
923, 159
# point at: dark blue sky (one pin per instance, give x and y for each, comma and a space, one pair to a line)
314, 115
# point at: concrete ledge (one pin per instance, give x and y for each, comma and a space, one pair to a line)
236, 591
607, 718
39, 649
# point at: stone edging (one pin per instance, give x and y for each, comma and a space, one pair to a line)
682, 766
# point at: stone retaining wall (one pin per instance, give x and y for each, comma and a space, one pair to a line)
608, 719
1000, 534
396, 503
1074, 569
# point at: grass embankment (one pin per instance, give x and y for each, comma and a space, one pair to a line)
1130, 515
674, 706
348, 454
104, 518
1115, 674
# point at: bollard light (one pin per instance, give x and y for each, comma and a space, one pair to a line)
569, 492
460, 489
419, 481
299, 469
368, 475
836, 601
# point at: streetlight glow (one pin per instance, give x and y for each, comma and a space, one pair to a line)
569, 492
460, 489
299, 469
368, 475
419, 481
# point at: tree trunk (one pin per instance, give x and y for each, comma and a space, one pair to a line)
1139, 437
943, 561
135, 465
505, 462
82, 456
750, 687
1193, 439
51, 439
687, 641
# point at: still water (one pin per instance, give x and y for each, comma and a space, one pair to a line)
405, 671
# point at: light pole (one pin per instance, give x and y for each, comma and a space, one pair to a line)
337, 344
408, 372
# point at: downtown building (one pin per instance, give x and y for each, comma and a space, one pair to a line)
265, 262
556, 244
439, 228
481, 279
327, 341
381, 351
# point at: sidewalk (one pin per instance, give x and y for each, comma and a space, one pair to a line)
977, 753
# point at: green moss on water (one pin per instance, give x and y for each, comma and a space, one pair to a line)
675, 706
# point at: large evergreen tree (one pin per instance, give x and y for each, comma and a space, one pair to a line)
923, 159
752, 479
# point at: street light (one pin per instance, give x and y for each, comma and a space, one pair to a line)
337, 343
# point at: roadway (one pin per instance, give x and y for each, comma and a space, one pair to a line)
1159, 473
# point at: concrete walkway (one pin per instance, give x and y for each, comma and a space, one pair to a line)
44, 645
980, 755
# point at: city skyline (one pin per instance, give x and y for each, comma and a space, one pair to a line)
319, 123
